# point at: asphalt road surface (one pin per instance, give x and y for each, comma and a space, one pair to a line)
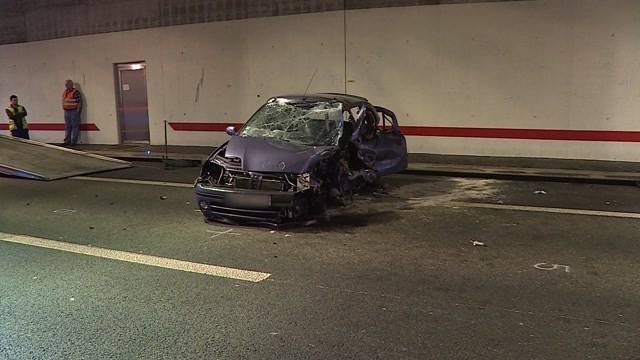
438, 268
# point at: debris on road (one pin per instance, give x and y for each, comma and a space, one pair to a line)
64, 211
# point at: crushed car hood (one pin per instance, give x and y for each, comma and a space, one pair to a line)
265, 155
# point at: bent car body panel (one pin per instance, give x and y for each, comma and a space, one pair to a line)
387, 147
264, 177
265, 155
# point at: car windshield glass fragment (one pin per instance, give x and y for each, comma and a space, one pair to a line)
312, 124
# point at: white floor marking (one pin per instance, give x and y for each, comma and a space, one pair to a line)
218, 233
130, 181
231, 273
64, 211
548, 267
548, 210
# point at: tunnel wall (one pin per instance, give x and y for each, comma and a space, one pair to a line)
556, 79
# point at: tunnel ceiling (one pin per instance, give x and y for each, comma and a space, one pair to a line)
33, 20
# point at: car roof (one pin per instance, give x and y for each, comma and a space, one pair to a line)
343, 98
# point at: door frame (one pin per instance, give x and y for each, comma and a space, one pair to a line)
131, 65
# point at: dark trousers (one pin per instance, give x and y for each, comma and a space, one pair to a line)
21, 133
71, 126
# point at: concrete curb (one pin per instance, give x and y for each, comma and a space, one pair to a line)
426, 168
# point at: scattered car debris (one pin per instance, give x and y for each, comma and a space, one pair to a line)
64, 211
297, 156
478, 243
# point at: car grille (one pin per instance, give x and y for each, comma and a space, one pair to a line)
253, 181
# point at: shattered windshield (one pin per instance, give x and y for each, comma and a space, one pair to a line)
312, 124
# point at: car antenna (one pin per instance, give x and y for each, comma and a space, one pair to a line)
310, 81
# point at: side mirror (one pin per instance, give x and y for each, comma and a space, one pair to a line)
230, 130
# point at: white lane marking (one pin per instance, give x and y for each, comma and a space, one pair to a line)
65, 211
213, 270
548, 210
130, 181
548, 267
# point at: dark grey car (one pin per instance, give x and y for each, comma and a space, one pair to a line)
296, 156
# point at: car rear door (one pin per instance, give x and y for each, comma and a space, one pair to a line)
380, 143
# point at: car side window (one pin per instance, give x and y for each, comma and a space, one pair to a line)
354, 111
347, 129
369, 125
385, 124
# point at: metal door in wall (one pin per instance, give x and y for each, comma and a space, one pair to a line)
133, 114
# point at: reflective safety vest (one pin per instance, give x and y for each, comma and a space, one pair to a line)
14, 111
69, 101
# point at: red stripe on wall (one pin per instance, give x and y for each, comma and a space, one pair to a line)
468, 132
53, 127
201, 126
528, 134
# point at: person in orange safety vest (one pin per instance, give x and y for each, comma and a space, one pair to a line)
72, 106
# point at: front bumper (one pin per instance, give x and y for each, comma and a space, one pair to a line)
248, 206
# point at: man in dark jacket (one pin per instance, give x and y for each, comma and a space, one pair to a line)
17, 118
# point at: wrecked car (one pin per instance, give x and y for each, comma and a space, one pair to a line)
297, 156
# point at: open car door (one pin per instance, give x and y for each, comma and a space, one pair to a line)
380, 144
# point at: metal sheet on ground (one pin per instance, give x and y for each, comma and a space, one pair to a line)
40, 161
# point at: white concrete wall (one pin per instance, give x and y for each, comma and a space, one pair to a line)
539, 64
558, 64
238, 65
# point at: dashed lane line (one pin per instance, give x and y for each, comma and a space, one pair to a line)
180, 265
617, 214
131, 181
